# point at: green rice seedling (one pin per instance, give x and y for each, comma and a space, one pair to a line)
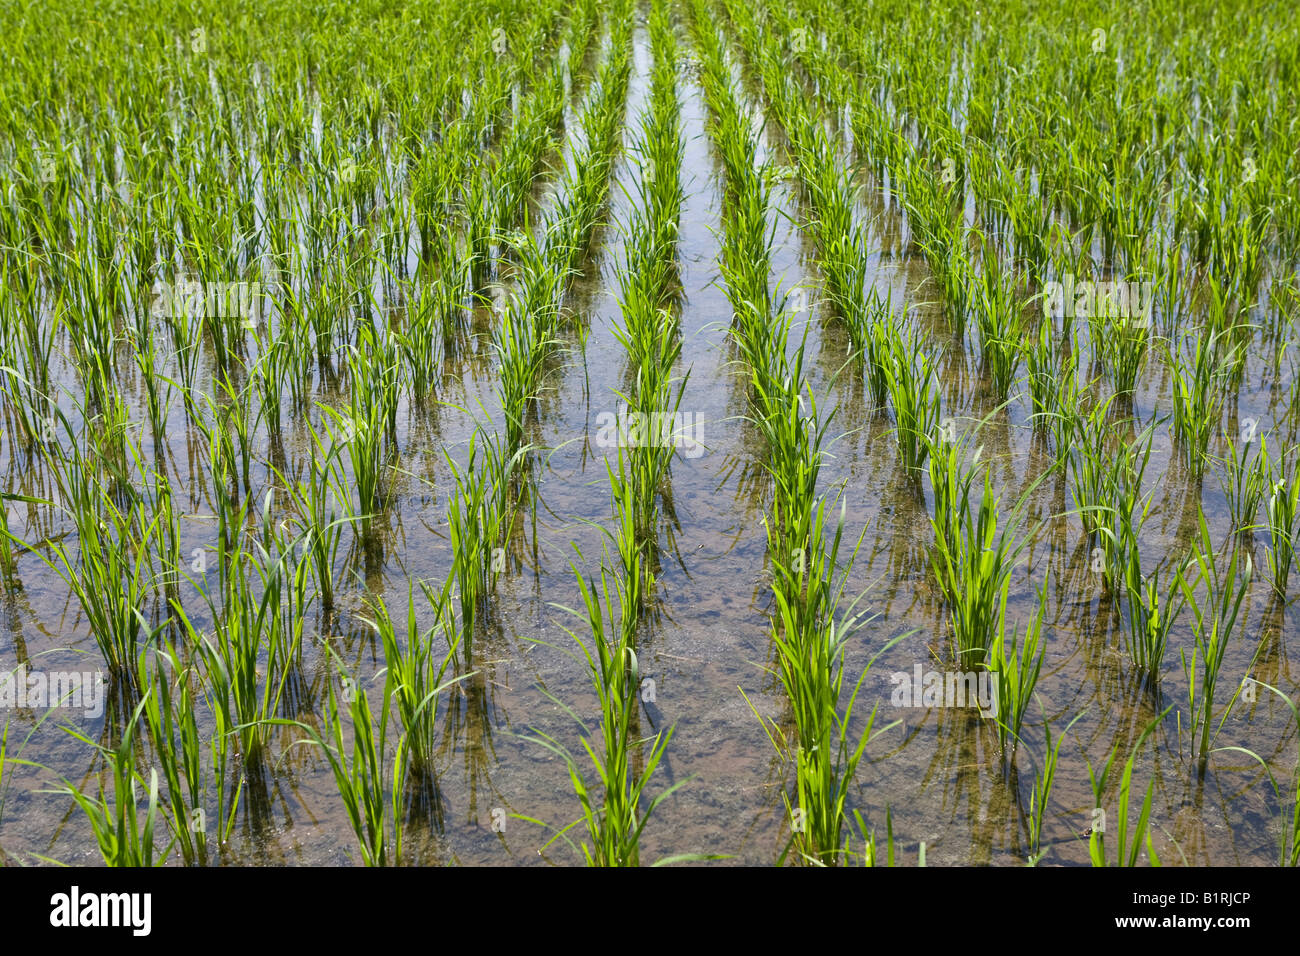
1016, 664
169, 537
810, 627
1170, 283
157, 399
360, 437
1106, 471
615, 818
312, 500
748, 234
522, 350
794, 433
664, 146
380, 168
525, 337
244, 685
914, 392
972, 564
871, 853
1244, 479
951, 476
426, 339
1282, 506
122, 837
170, 718
221, 463
360, 431
225, 731
649, 333
939, 241
1216, 617
1149, 610
744, 257
267, 376
1088, 433
33, 409
1123, 507
1046, 368
111, 573
652, 439
651, 339
478, 232
1197, 400
586, 186
90, 327
1044, 781
371, 790
1030, 220
234, 418
1067, 402
634, 550
479, 523
585, 19
1127, 843
999, 321
415, 678
880, 333
379, 386
27, 367
8, 564
518, 164
831, 195
1123, 342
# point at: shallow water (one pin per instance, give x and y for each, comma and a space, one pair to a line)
937, 771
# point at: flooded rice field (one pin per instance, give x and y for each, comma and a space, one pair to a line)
686, 430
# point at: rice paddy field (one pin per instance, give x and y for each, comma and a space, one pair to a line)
651, 431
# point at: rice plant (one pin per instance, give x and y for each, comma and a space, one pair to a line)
415, 678
1244, 479
1124, 341
1044, 781
359, 432
972, 562
172, 723
1129, 834
123, 838
649, 333
112, 571
1123, 509
480, 524
1150, 609
1016, 664
369, 786
1217, 612
810, 627
257, 638
615, 815
914, 395
1046, 368
315, 500
1282, 506
636, 559
1197, 399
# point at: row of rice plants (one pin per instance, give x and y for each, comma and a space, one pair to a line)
812, 618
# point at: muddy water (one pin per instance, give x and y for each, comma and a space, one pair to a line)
937, 771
